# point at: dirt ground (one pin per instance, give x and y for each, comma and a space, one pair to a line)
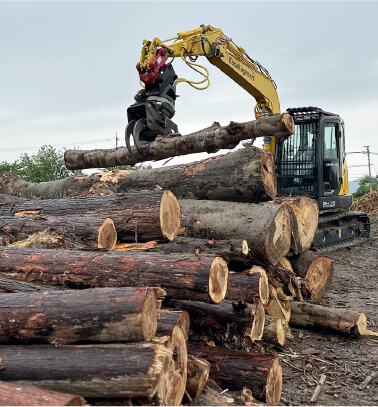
345, 361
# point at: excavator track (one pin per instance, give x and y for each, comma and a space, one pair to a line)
340, 229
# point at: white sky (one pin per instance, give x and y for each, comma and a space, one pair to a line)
67, 72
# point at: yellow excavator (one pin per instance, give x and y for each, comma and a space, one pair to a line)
311, 162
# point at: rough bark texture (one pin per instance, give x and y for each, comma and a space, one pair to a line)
198, 375
228, 316
209, 140
316, 269
12, 394
169, 319
265, 227
261, 373
313, 316
114, 370
202, 277
86, 231
8, 285
137, 215
98, 314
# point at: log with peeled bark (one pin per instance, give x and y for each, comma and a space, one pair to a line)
112, 370
261, 373
208, 140
314, 316
226, 317
137, 215
202, 277
306, 217
316, 269
76, 231
198, 375
265, 227
96, 314
250, 285
12, 394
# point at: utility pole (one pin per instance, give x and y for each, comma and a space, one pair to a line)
368, 156
116, 139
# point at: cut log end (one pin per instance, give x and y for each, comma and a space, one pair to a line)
274, 384
319, 276
361, 325
170, 215
263, 284
307, 214
257, 330
218, 279
198, 375
107, 235
245, 248
288, 121
278, 239
268, 174
150, 315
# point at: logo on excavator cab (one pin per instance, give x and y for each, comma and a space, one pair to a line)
238, 66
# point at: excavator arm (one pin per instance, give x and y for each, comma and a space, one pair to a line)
151, 115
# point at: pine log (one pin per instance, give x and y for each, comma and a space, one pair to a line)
276, 330
314, 316
198, 375
97, 314
169, 319
279, 303
261, 373
265, 227
208, 140
12, 394
7, 285
226, 317
282, 276
9, 199
316, 269
236, 249
113, 370
306, 216
137, 215
202, 277
77, 231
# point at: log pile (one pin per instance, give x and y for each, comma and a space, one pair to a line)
112, 287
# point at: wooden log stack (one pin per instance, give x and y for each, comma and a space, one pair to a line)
82, 316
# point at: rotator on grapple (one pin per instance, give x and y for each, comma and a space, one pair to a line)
151, 115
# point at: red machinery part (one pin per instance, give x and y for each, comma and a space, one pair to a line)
154, 67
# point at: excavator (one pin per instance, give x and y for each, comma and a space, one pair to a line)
311, 162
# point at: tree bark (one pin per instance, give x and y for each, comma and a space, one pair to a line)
198, 375
313, 316
137, 215
75, 231
169, 319
7, 285
97, 314
12, 394
316, 269
251, 285
261, 373
265, 227
114, 370
208, 140
201, 278
276, 330
227, 317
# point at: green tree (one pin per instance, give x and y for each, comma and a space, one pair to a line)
45, 165
364, 186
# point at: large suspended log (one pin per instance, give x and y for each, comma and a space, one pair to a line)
316, 269
97, 314
265, 227
202, 277
12, 394
137, 215
226, 317
261, 373
113, 370
314, 316
208, 140
75, 231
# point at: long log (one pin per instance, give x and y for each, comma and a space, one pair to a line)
208, 140
12, 394
97, 314
261, 373
113, 370
314, 316
226, 317
265, 227
202, 277
316, 269
137, 215
75, 231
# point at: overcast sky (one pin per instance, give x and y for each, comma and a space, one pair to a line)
67, 72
